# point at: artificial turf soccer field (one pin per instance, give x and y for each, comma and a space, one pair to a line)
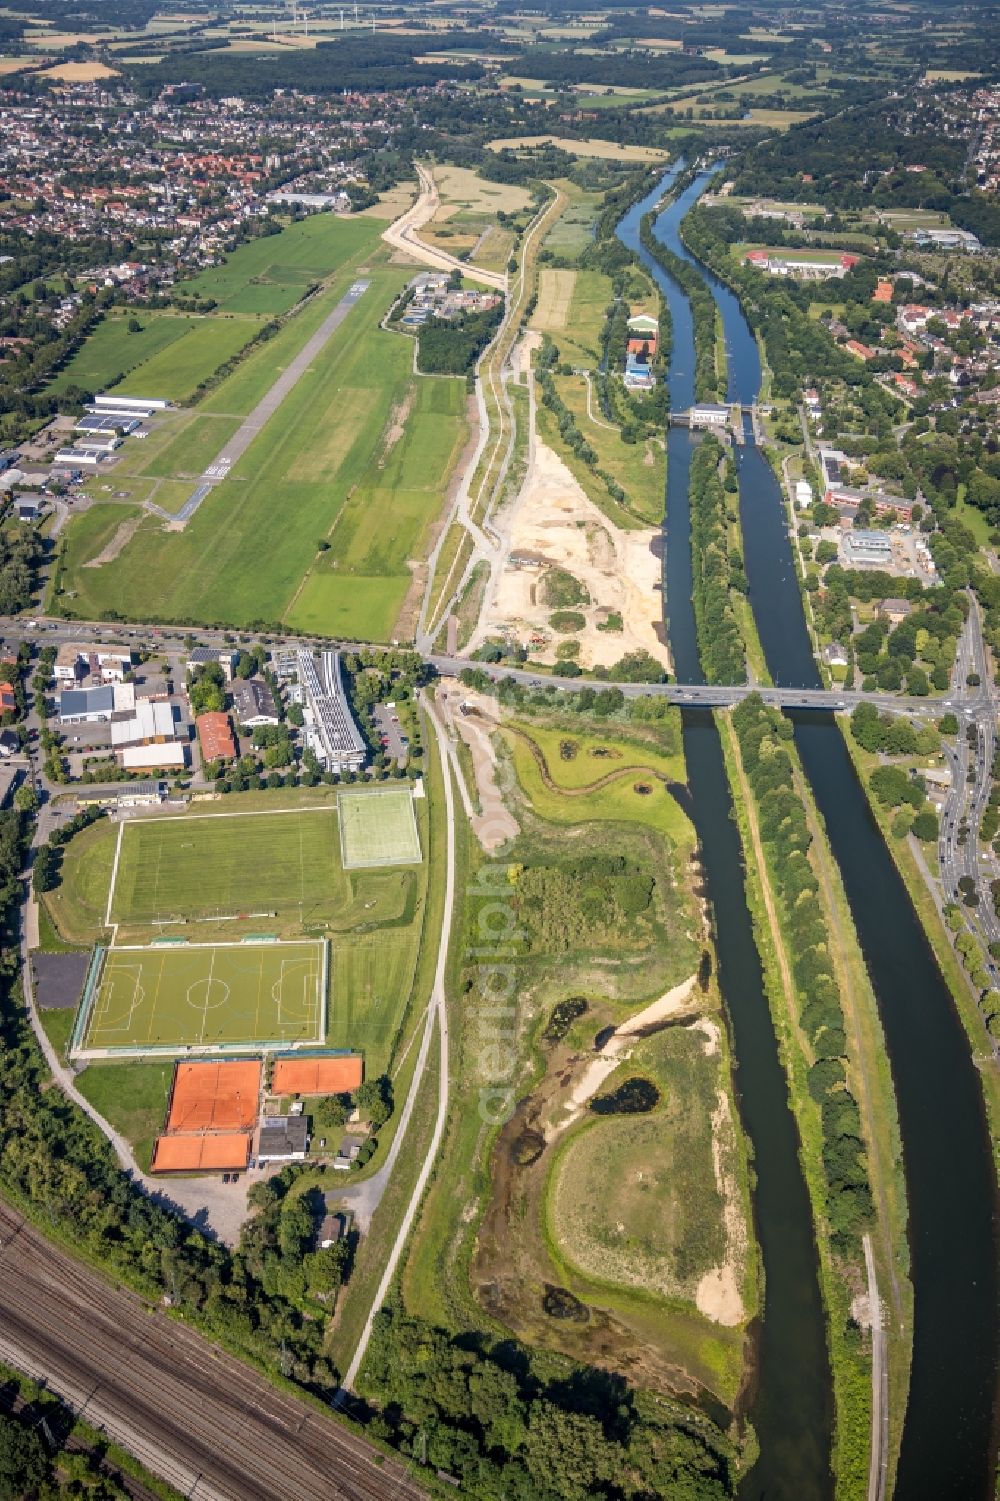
218, 865
378, 828
207, 995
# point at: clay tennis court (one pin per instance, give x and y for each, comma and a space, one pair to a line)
214, 1096
192, 1154
317, 1075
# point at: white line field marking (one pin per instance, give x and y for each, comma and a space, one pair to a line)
114, 873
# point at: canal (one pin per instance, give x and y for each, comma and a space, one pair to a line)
948, 1437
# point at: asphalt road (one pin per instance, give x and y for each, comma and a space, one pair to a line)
212, 1427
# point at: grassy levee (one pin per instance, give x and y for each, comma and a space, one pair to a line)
938, 936
453, 559
498, 1057
356, 1300
851, 1366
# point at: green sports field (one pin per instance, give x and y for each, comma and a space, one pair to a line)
378, 828
208, 995
197, 868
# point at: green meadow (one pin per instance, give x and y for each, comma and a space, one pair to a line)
271, 273
357, 457
110, 351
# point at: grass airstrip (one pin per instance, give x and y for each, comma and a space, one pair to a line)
317, 525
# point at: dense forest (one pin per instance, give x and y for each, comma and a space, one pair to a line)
451, 346
355, 61
485, 1414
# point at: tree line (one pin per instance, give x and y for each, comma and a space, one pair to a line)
715, 571
492, 1416
707, 382
783, 823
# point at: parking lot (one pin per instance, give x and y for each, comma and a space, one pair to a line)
387, 728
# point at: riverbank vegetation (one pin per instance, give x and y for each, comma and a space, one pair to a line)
832, 1049
961, 964
709, 378
521, 1117
716, 565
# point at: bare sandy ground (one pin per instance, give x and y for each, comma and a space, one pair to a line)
553, 522
615, 1051
718, 1296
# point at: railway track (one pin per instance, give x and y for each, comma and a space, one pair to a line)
212, 1427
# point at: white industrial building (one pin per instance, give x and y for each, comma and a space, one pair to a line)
330, 726
170, 757
708, 414
803, 494
138, 406
74, 457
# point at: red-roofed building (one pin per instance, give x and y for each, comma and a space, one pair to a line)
859, 351
215, 735
8, 698
883, 292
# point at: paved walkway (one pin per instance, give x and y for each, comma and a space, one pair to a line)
436, 1012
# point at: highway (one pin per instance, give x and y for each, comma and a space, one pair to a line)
212, 1427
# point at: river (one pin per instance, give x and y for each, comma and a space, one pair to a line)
948, 1437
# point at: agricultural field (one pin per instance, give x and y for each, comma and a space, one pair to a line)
572, 307
271, 273
573, 231
618, 151
356, 441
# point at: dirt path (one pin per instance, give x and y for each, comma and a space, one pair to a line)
615, 1051
402, 235
122, 537
494, 824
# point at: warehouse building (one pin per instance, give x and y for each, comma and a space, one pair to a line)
152, 723
169, 757
86, 705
